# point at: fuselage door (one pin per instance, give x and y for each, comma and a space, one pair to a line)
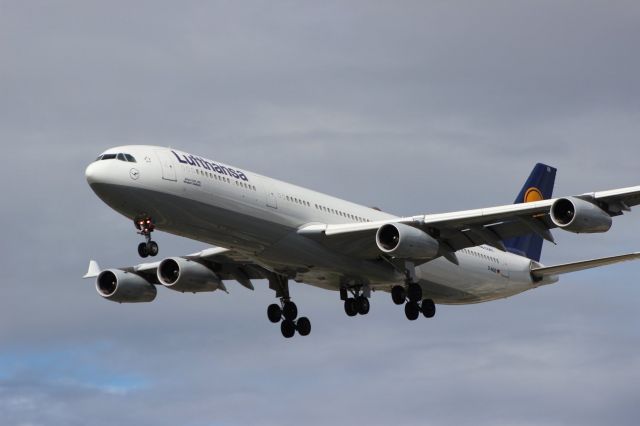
168, 166
504, 269
272, 200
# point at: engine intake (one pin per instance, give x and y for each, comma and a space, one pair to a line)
404, 241
579, 216
185, 275
124, 287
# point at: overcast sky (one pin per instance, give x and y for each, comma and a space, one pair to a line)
413, 106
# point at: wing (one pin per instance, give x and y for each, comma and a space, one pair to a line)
228, 265
458, 230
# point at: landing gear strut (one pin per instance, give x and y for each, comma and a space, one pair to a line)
286, 313
358, 304
414, 304
145, 227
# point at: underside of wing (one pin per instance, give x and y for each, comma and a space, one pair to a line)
200, 272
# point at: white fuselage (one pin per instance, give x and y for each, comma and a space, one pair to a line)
260, 217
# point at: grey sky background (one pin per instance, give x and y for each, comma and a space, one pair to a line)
413, 106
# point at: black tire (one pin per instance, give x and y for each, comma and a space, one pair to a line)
363, 305
153, 249
143, 250
303, 326
414, 292
412, 311
288, 329
399, 295
290, 311
274, 313
350, 307
428, 308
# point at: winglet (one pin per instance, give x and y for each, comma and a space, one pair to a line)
94, 270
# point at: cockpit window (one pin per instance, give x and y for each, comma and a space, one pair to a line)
120, 156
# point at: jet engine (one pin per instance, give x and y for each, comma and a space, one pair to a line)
579, 216
186, 275
125, 287
404, 241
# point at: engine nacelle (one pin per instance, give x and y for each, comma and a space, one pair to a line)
124, 287
579, 216
187, 276
407, 242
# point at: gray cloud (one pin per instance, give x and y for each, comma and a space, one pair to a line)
412, 106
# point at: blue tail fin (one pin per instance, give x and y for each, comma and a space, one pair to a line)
538, 187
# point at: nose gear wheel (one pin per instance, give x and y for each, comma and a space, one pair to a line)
145, 227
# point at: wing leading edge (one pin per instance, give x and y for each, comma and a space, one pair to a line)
469, 228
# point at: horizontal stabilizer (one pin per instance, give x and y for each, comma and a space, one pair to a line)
581, 266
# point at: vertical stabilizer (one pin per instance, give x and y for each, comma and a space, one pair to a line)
538, 187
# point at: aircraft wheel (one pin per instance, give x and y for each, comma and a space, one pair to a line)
303, 326
350, 307
412, 311
143, 250
363, 305
288, 329
398, 294
290, 311
153, 248
274, 313
428, 308
414, 292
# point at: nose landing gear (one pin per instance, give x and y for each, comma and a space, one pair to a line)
145, 227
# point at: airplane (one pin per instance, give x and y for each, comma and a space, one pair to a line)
264, 229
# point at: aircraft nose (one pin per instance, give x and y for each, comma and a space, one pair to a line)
95, 173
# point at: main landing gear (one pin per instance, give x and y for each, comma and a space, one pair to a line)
411, 297
358, 304
145, 227
287, 315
